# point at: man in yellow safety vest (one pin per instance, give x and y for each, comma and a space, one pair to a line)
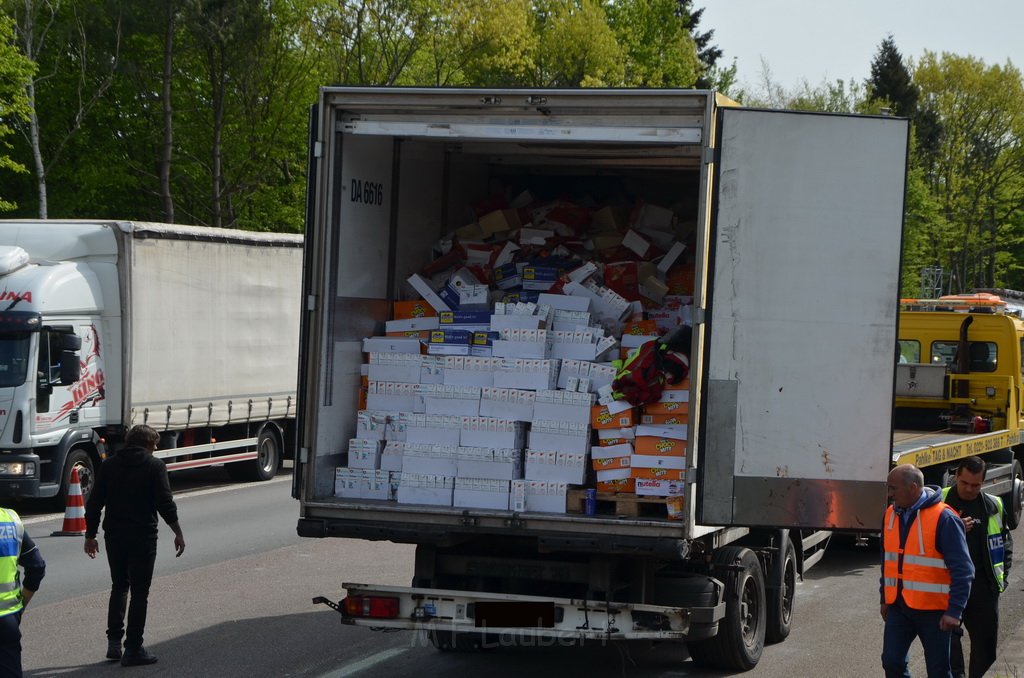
16, 550
991, 549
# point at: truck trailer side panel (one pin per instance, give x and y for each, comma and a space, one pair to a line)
211, 327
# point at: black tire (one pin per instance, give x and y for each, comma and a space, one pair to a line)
77, 459
268, 459
780, 600
1013, 501
740, 639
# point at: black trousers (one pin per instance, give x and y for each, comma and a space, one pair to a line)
10, 645
131, 560
981, 619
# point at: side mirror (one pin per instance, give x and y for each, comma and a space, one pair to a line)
70, 369
71, 342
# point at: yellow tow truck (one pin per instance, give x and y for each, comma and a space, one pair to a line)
960, 389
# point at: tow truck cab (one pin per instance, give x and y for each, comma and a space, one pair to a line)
959, 388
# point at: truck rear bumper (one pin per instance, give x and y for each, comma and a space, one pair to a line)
507, 618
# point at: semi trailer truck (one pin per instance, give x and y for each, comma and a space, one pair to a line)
108, 324
791, 227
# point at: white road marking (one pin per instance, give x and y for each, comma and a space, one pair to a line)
192, 493
363, 664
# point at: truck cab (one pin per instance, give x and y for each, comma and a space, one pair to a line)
51, 392
958, 388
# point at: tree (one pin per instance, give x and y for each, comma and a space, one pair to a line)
891, 82
977, 176
74, 72
659, 49
577, 46
16, 72
713, 76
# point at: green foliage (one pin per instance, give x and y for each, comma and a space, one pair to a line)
976, 174
577, 47
15, 73
659, 49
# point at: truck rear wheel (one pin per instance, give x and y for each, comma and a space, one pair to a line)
1013, 501
780, 600
268, 458
740, 638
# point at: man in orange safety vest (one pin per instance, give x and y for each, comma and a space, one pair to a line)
926, 574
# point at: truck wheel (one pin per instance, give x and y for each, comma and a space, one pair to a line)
740, 639
77, 459
268, 458
780, 600
1013, 501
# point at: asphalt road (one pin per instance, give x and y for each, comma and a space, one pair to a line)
238, 603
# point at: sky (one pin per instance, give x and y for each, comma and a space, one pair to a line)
826, 40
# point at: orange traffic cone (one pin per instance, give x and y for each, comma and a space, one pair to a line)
74, 513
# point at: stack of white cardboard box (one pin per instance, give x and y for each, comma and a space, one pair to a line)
489, 404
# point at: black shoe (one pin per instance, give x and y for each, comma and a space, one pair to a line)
113, 649
137, 657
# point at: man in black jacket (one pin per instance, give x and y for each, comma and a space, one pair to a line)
133, 487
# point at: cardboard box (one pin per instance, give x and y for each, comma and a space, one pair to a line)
415, 488
611, 456
449, 342
371, 425
609, 476
564, 406
562, 467
434, 460
540, 278
665, 419
490, 432
424, 289
407, 325
403, 310
659, 488
658, 466
662, 431
521, 373
545, 497
392, 345
462, 401
563, 436
617, 485
473, 321
516, 322
666, 408
499, 221
601, 417
364, 454
489, 463
429, 429
517, 404
480, 498
536, 350
659, 446
563, 302
392, 456
605, 434
472, 371
397, 367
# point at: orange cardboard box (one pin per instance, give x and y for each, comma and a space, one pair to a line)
680, 279
670, 419
601, 418
609, 463
667, 408
616, 486
403, 310
665, 447
608, 442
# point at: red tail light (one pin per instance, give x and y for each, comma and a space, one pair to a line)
980, 425
370, 606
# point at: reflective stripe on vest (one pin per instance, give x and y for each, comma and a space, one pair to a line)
918, 568
11, 532
994, 539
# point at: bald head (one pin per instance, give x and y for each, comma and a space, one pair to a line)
905, 484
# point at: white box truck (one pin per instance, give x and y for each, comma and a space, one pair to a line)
107, 324
798, 227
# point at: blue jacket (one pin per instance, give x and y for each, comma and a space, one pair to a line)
950, 541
